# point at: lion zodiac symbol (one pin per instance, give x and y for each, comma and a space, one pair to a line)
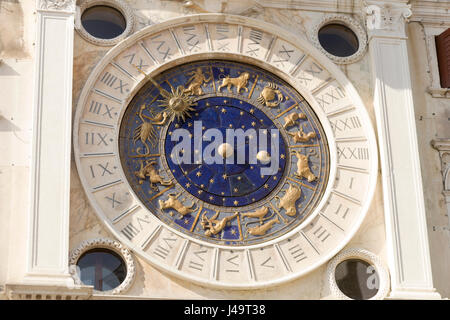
239, 82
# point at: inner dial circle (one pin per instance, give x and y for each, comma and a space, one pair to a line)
236, 178
233, 203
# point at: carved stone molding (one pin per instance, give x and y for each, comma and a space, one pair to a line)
120, 5
59, 5
443, 146
112, 245
41, 292
362, 254
387, 19
353, 24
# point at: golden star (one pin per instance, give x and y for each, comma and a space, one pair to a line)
186, 221
199, 174
235, 202
266, 186
189, 124
252, 111
235, 189
223, 110
253, 123
200, 191
233, 232
282, 156
188, 185
211, 181
275, 178
225, 176
211, 198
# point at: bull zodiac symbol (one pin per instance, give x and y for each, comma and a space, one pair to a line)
174, 203
303, 170
269, 93
146, 130
287, 202
214, 226
149, 171
196, 81
239, 82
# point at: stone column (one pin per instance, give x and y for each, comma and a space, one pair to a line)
51, 146
406, 226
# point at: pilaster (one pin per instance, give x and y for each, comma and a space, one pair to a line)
406, 228
48, 245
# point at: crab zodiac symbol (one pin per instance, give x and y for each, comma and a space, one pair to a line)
269, 93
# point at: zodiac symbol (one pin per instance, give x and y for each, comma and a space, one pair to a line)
145, 132
269, 93
303, 170
149, 171
292, 118
301, 136
196, 81
214, 226
288, 201
239, 82
174, 203
260, 213
262, 229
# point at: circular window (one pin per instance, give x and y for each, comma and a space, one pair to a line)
357, 279
340, 37
102, 268
339, 40
103, 22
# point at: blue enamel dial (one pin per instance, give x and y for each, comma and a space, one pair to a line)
229, 202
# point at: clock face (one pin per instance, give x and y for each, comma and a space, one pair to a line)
250, 193
235, 156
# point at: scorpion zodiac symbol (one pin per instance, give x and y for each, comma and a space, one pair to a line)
146, 130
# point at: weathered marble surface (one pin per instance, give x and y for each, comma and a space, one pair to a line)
151, 282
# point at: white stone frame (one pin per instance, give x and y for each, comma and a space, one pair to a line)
120, 5
104, 243
367, 256
283, 74
347, 21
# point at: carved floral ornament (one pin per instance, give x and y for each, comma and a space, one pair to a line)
361, 254
62, 5
387, 17
112, 245
349, 22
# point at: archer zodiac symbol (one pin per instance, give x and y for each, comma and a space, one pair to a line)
174, 203
214, 226
196, 81
269, 93
303, 170
288, 201
292, 118
149, 171
301, 136
239, 82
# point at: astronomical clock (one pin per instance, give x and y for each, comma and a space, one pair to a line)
225, 152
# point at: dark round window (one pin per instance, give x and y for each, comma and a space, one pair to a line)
357, 279
338, 40
102, 268
103, 22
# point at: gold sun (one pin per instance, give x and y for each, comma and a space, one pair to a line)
177, 103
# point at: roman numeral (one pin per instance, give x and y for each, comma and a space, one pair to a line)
353, 153
113, 200
192, 38
266, 263
330, 97
131, 230
165, 52
255, 37
131, 61
321, 233
284, 54
97, 107
345, 211
222, 30
312, 70
297, 253
163, 249
95, 138
348, 123
234, 263
110, 79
